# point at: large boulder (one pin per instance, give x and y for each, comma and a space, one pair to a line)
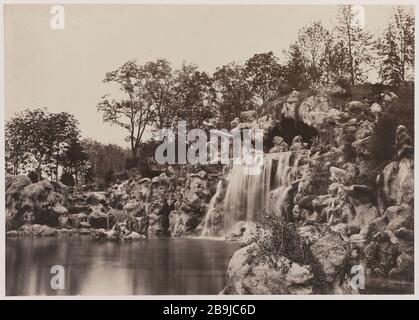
398, 184
13, 199
404, 268
404, 143
289, 108
117, 195
381, 253
330, 255
35, 203
135, 208
318, 109
365, 129
313, 259
315, 180
120, 231
364, 147
279, 145
397, 178
399, 217
314, 108
96, 198
37, 230
249, 273
98, 217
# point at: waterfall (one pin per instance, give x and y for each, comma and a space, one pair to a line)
208, 227
246, 194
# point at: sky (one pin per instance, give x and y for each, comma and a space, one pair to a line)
62, 70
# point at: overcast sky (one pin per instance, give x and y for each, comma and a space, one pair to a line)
63, 70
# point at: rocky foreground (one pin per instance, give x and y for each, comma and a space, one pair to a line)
351, 204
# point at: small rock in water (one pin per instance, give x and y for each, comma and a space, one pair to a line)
84, 231
85, 225
12, 233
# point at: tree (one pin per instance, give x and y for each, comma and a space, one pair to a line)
397, 48
358, 44
233, 92
30, 138
335, 63
158, 83
89, 173
64, 132
74, 159
134, 112
296, 73
193, 96
104, 157
313, 43
109, 177
263, 73
16, 153
35, 139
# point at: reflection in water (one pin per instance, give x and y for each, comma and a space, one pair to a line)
154, 266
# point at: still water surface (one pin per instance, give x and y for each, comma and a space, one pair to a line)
154, 266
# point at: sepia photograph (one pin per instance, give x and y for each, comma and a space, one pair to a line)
208, 150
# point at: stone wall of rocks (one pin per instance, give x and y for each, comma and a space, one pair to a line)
170, 204
365, 209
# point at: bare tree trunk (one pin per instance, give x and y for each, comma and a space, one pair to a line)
351, 59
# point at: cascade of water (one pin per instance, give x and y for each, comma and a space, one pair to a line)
247, 193
208, 227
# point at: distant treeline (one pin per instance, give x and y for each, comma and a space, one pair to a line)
48, 145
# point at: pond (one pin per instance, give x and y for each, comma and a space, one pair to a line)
165, 266
161, 266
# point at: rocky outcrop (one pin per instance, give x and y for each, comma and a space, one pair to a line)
313, 261
35, 203
120, 231
313, 107
397, 184
159, 205
279, 145
364, 221
390, 249
169, 204
190, 205
249, 273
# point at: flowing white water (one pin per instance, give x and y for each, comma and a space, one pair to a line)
247, 193
208, 227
